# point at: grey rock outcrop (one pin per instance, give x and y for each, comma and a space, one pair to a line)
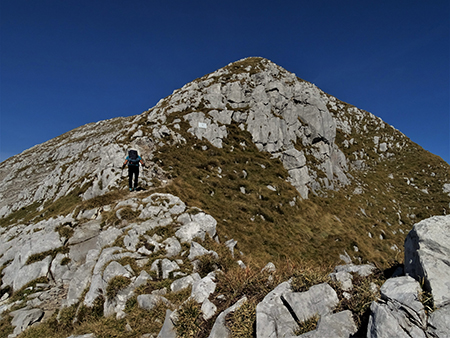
427, 252
203, 288
336, 325
92, 262
148, 302
281, 110
273, 319
168, 329
281, 310
439, 323
319, 300
24, 318
399, 312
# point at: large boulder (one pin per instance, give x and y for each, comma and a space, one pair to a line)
399, 313
272, 317
281, 310
320, 299
427, 256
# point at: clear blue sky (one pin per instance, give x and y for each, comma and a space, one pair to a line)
68, 63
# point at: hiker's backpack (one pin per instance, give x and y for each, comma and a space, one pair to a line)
133, 158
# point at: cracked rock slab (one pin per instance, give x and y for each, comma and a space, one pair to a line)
427, 252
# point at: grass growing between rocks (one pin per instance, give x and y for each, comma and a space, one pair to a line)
190, 320
232, 183
242, 321
137, 323
233, 282
115, 285
307, 325
365, 290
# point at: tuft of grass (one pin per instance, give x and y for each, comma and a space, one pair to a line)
251, 282
115, 285
242, 321
65, 261
73, 321
361, 296
302, 280
66, 318
426, 298
88, 314
128, 214
5, 326
41, 255
307, 325
65, 230
190, 320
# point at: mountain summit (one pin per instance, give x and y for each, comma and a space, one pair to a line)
260, 149
250, 156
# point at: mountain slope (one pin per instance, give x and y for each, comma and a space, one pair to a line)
284, 168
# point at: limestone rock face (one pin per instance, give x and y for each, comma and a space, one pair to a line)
319, 299
400, 312
339, 324
281, 310
273, 105
427, 252
280, 110
23, 319
85, 264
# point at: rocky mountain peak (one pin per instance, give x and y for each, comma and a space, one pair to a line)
232, 125
249, 154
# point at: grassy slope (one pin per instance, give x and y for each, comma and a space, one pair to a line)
269, 227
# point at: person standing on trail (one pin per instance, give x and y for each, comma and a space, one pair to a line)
133, 160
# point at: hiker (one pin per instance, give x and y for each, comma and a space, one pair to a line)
133, 160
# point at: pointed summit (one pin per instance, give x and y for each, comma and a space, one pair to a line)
317, 138
283, 114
